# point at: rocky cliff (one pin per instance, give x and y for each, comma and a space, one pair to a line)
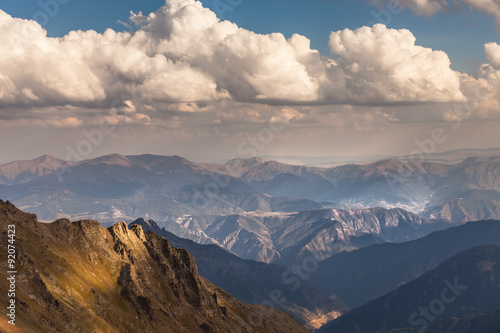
81, 277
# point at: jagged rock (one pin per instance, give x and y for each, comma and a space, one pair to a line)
81, 277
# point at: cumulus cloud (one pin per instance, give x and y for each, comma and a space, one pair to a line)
492, 51
183, 53
385, 65
482, 91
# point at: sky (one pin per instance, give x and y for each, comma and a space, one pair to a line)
218, 79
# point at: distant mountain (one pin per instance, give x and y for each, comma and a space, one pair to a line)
123, 187
20, 172
288, 238
472, 209
468, 284
360, 276
449, 157
254, 282
80, 277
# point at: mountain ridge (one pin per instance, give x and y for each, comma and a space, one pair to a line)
79, 276
256, 282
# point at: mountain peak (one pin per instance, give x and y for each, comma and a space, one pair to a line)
147, 225
246, 162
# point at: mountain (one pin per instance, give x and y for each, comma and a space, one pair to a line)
362, 275
472, 209
484, 323
116, 186
123, 187
75, 277
449, 157
467, 284
288, 238
257, 283
20, 172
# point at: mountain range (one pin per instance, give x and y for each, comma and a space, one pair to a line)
116, 186
365, 274
288, 238
142, 277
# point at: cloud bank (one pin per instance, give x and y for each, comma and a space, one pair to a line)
183, 53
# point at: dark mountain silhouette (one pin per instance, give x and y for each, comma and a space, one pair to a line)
467, 284
362, 275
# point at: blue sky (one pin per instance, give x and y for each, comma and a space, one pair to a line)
461, 35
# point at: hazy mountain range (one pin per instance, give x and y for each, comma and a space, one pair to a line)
450, 156
262, 210
126, 187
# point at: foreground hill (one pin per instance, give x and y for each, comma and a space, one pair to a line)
256, 282
362, 275
468, 284
80, 277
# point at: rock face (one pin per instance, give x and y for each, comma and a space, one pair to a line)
256, 282
81, 277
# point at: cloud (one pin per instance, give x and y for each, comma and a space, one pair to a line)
482, 91
381, 64
183, 53
491, 7
420, 7
431, 7
492, 51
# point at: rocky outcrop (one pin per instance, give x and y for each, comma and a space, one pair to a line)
81, 277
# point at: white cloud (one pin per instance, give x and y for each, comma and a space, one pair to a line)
482, 91
492, 51
184, 54
380, 64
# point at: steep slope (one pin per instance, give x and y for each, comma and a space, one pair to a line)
484, 323
467, 284
360, 276
255, 282
80, 277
